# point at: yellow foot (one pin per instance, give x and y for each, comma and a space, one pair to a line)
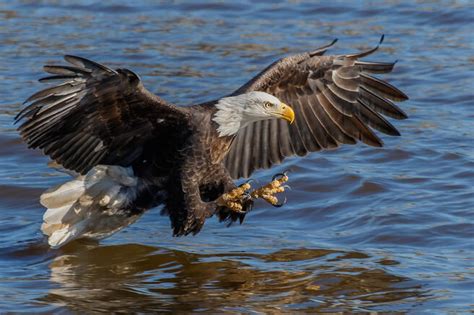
235, 198
268, 191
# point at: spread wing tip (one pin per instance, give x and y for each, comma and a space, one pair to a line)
86, 64
81, 68
321, 50
367, 52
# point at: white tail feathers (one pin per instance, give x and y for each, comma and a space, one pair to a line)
93, 205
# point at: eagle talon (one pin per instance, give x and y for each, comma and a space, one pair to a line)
236, 199
249, 181
269, 191
281, 175
239, 211
278, 175
280, 204
246, 196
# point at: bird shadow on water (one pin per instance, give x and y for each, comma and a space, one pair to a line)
132, 277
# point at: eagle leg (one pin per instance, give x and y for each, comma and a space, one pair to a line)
235, 198
268, 191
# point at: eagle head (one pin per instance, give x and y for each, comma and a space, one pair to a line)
236, 112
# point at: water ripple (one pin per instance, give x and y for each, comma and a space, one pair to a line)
365, 229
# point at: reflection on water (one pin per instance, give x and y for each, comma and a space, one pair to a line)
135, 277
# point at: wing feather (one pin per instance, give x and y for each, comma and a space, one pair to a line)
286, 147
380, 104
375, 67
313, 130
264, 154
273, 145
330, 125
374, 120
383, 88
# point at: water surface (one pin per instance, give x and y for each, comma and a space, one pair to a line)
365, 229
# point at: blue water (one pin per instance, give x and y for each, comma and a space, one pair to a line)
365, 229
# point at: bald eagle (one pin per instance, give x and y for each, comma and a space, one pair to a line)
129, 150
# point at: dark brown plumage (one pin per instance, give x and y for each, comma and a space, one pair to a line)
100, 116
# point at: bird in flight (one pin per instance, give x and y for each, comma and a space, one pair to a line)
129, 150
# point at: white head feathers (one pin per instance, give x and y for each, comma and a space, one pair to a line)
236, 112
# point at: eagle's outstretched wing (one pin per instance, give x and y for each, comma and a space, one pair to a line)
96, 116
335, 100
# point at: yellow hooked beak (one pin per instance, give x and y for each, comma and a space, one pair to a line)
287, 112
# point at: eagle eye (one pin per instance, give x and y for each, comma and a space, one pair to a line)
268, 105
